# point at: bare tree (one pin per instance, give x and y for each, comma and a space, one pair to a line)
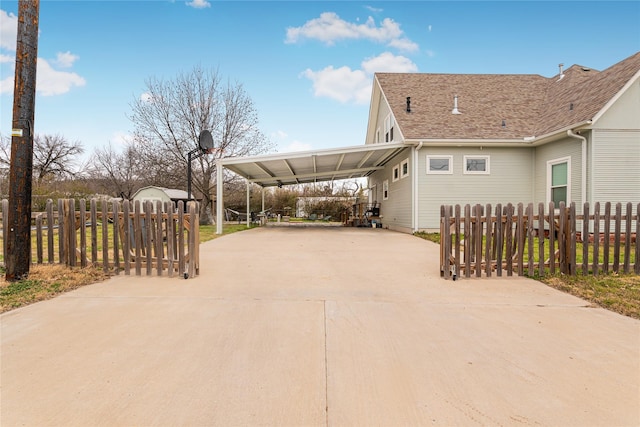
54, 158
168, 120
117, 172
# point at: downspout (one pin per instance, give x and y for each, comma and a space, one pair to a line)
583, 174
416, 180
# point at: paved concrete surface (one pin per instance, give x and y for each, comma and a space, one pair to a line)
318, 327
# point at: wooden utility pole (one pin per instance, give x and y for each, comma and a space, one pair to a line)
18, 256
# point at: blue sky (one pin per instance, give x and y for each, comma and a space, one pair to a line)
307, 65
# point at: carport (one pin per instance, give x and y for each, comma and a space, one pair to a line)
304, 167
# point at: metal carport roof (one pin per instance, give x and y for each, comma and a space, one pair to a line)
307, 166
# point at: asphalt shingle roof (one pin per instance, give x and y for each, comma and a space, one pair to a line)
530, 105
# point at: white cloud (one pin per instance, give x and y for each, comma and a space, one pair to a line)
52, 82
6, 85
199, 4
346, 85
373, 9
342, 84
329, 28
146, 97
65, 59
388, 63
8, 30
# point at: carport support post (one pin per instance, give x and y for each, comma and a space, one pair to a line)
219, 200
248, 204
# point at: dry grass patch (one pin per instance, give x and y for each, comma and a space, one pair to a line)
619, 293
44, 282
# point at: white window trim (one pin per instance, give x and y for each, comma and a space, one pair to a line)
552, 162
393, 173
402, 174
485, 172
385, 189
448, 172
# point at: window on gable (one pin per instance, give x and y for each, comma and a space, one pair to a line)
439, 164
385, 189
476, 165
396, 173
404, 168
559, 181
388, 128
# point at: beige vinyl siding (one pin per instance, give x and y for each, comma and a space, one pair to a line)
624, 113
616, 158
396, 210
509, 181
568, 147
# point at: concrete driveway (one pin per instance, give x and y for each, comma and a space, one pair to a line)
318, 327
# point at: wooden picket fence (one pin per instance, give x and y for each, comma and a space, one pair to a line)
481, 240
118, 235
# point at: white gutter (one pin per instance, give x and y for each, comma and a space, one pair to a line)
583, 174
416, 180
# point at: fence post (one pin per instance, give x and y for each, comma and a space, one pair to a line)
83, 233
181, 260
508, 229
39, 238
636, 267
193, 250
488, 258
94, 231
585, 238
116, 238
552, 238
596, 238
170, 237
541, 239
572, 238
50, 250
467, 240
457, 242
530, 235
499, 240
137, 234
607, 237
627, 237
61, 226
105, 236
616, 238
445, 242
126, 236
159, 244
148, 232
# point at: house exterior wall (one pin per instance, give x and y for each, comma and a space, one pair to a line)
508, 181
616, 156
396, 211
570, 148
615, 152
624, 114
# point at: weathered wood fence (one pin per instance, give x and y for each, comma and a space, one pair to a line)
119, 236
482, 240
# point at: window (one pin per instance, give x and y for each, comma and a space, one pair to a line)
396, 173
385, 189
478, 165
388, 128
439, 164
404, 168
559, 181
